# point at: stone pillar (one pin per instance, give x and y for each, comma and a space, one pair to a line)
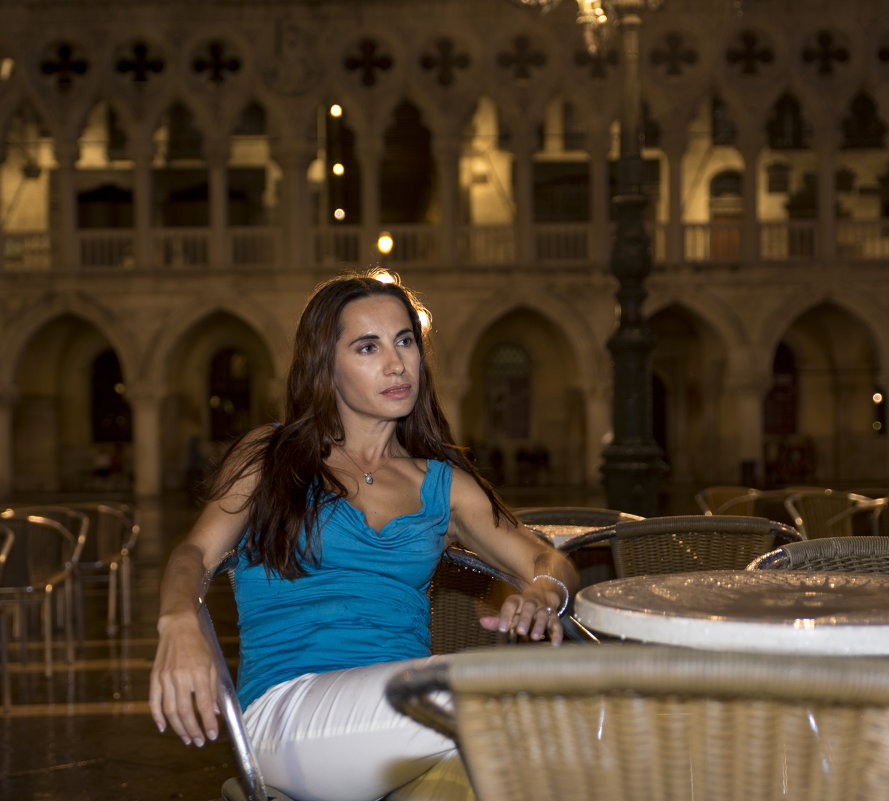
750, 145
146, 404
826, 148
217, 188
674, 146
370, 154
523, 191
143, 249
447, 162
65, 252
600, 200
749, 392
598, 429
8, 400
294, 212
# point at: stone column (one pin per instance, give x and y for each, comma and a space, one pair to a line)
8, 399
217, 188
826, 148
143, 249
65, 251
369, 155
749, 392
146, 404
447, 162
674, 146
749, 143
523, 191
600, 199
294, 213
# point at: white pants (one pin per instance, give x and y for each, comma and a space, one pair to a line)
335, 737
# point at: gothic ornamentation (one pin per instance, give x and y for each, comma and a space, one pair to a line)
63, 63
215, 62
367, 59
824, 51
749, 53
522, 59
673, 54
137, 62
443, 59
598, 64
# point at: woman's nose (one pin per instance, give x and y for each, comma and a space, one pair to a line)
395, 364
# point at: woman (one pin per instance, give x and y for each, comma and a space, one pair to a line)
338, 517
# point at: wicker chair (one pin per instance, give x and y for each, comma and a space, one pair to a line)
465, 588
687, 543
712, 499
820, 513
636, 723
838, 554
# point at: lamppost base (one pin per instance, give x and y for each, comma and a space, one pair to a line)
632, 475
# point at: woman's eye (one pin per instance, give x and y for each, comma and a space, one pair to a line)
368, 348
406, 341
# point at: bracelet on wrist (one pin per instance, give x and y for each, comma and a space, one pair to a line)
566, 596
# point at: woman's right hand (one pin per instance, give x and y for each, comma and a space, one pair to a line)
183, 681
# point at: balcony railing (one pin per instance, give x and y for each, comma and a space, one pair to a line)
182, 247
27, 251
557, 244
104, 248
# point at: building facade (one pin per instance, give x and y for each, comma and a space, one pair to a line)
176, 177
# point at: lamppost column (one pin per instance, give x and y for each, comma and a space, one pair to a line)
633, 467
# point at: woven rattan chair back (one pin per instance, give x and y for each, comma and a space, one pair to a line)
819, 513
636, 723
463, 589
688, 543
838, 554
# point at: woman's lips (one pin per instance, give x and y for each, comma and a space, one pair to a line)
399, 391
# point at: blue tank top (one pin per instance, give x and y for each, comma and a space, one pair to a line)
365, 602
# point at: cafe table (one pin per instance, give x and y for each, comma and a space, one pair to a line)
775, 611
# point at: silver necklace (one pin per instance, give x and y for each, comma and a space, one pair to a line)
368, 474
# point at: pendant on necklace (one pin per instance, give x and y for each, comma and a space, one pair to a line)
368, 478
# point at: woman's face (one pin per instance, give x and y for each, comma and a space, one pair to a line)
377, 360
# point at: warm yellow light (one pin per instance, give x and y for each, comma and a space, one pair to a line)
338, 169
340, 214
6, 67
384, 277
425, 319
878, 397
878, 426
385, 242
336, 110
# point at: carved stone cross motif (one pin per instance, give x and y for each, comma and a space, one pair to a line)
65, 67
216, 63
368, 61
825, 53
750, 54
523, 58
675, 54
140, 64
445, 60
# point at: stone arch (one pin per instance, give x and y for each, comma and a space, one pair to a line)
525, 418
53, 443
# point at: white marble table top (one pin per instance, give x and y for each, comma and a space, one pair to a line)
757, 610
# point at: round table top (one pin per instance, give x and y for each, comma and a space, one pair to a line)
751, 610
560, 533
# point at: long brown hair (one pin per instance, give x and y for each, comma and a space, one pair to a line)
294, 482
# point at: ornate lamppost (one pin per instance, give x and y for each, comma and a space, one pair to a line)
633, 466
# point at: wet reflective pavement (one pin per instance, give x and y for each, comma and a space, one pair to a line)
86, 734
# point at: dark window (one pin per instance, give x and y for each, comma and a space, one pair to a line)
229, 395
508, 393
111, 415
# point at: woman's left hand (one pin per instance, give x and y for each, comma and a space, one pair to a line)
527, 615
